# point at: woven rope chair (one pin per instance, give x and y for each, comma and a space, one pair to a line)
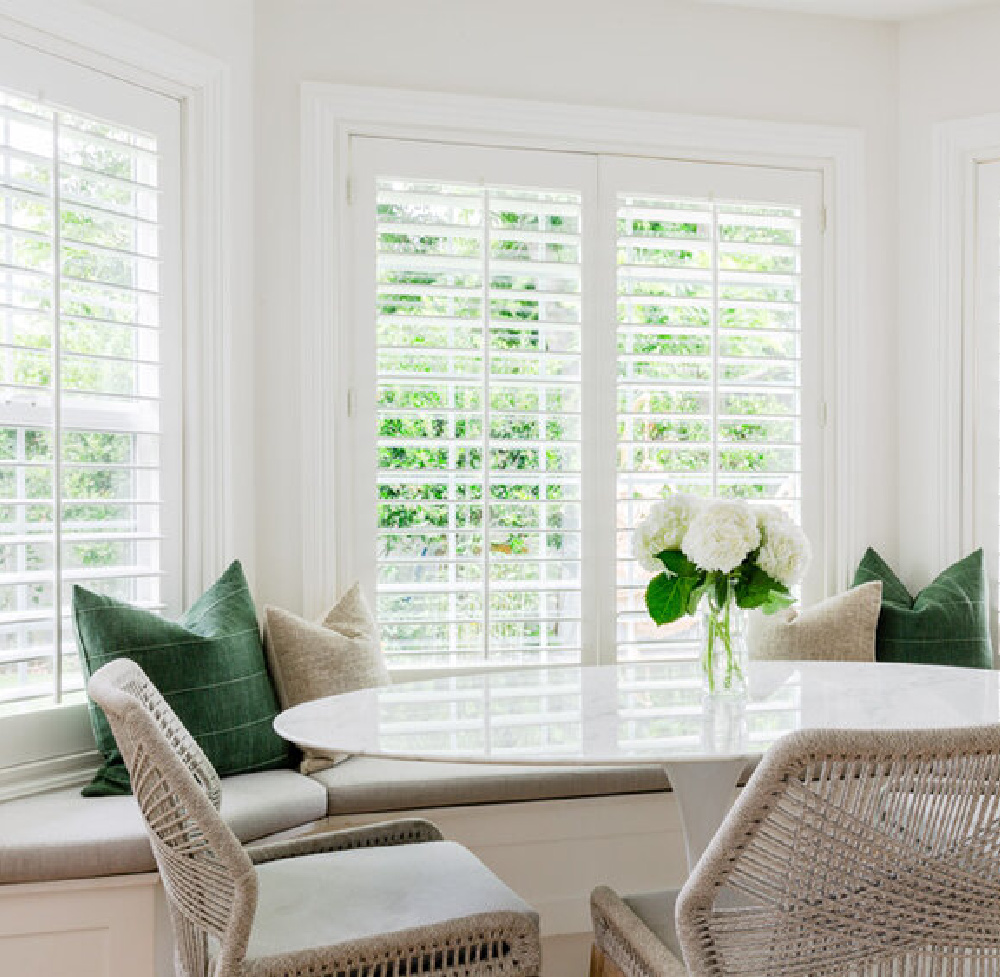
384, 900
848, 853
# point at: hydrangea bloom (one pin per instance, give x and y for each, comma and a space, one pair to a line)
721, 535
785, 551
663, 529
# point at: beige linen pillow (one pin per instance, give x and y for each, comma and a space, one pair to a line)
309, 661
840, 628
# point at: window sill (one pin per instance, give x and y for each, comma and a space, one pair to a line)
45, 775
45, 735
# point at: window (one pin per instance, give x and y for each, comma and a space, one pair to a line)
981, 504
544, 343
478, 421
711, 399
89, 341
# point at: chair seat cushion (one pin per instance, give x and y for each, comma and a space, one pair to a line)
61, 835
364, 785
340, 897
656, 910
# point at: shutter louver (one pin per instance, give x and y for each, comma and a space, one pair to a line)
80, 421
478, 417
708, 372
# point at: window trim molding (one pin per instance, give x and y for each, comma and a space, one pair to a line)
203, 86
959, 146
332, 114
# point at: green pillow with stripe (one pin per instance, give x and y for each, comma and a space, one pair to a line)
947, 623
209, 666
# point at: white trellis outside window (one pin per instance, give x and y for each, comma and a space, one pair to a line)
541, 344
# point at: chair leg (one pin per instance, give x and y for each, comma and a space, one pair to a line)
596, 961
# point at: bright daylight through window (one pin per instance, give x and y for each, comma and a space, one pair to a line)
545, 351
709, 369
478, 423
81, 487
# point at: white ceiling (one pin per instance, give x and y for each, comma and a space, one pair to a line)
865, 9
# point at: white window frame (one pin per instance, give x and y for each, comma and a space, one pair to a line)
984, 424
964, 346
50, 747
598, 180
572, 173
960, 146
332, 114
52, 82
980, 508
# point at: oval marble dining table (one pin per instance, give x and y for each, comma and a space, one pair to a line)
640, 713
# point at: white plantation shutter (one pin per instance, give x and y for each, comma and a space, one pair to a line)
709, 369
478, 420
82, 456
981, 417
522, 321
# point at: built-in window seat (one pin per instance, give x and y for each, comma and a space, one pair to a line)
62, 835
80, 892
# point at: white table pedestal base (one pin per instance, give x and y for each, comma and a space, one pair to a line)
704, 791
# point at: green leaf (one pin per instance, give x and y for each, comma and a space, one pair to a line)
667, 597
755, 589
721, 589
777, 602
678, 564
696, 595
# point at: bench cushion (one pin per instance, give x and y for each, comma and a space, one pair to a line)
61, 835
366, 785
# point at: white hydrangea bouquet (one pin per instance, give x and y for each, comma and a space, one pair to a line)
721, 555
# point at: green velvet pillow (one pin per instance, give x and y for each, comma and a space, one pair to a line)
946, 624
209, 666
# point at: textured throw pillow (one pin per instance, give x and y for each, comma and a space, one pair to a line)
840, 628
209, 666
309, 661
946, 624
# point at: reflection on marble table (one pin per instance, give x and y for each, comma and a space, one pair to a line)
635, 713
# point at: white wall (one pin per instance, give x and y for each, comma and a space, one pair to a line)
948, 69
223, 29
894, 83
650, 54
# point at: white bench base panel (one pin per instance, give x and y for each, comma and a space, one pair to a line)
550, 852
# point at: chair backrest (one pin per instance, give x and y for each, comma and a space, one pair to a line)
873, 854
210, 881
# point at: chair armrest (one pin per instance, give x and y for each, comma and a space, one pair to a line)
405, 831
626, 939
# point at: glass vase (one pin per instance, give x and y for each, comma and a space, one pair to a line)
724, 658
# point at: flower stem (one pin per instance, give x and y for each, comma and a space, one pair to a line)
719, 625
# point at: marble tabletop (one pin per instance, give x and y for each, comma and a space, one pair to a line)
634, 713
